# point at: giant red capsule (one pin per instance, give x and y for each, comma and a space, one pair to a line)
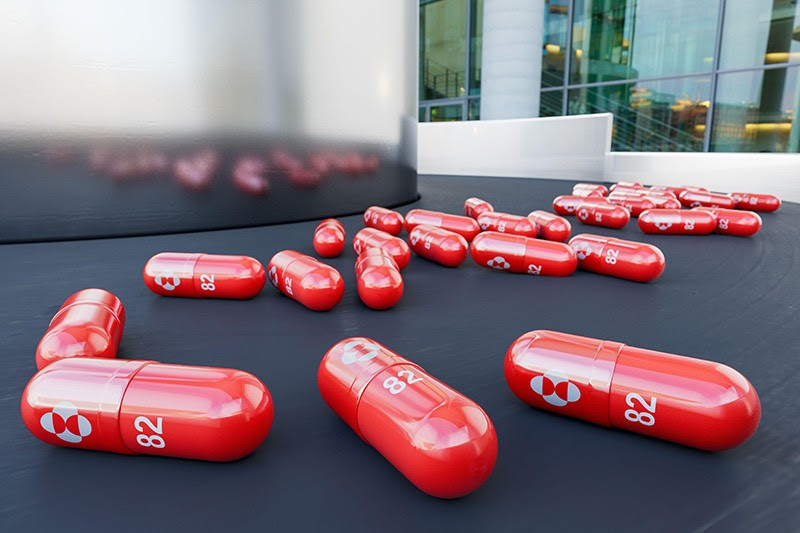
607, 216
384, 219
465, 226
380, 285
439, 439
635, 261
756, 202
329, 238
634, 204
144, 407
734, 221
505, 223
375, 238
88, 324
204, 275
677, 222
306, 280
566, 204
690, 198
693, 402
473, 207
551, 227
438, 245
519, 254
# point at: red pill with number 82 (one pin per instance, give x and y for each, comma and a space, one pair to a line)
329, 238
677, 222
756, 202
519, 254
734, 222
551, 227
375, 238
384, 219
608, 216
304, 279
474, 207
204, 275
379, 283
635, 261
465, 226
438, 245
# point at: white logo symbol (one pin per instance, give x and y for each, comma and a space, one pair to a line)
582, 250
753, 200
350, 355
663, 226
168, 281
583, 214
60, 423
414, 238
499, 263
737, 198
273, 275
569, 208
695, 204
357, 246
547, 386
484, 225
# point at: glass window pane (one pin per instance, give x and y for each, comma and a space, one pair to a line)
629, 39
423, 114
755, 112
447, 113
442, 45
475, 46
656, 116
554, 47
550, 103
474, 109
759, 32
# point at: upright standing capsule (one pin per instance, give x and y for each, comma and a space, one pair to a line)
690, 401
375, 238
442, 441
204, 275
473, 207
329, 238
306, 280
608, 216
144, 407
551, 227
635, 261
690, 198
464, 226
734, 221
380, 285
505, 223
384, 219
756, 202
88, 324
519, 254
634, 204
677, 222
566, 204
438, 245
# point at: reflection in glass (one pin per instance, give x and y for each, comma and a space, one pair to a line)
442, 45
475, 46
423, 114
474, 109
447, 113
755, 112
760, 32
550, 103
554, 48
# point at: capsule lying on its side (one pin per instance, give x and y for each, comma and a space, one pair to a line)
565, 204
329, 238
551, 227
375, 238
438, 245
304, 279
692, 198
519, 254
506, 223
379, 283
384, 219
204, 275
756, 202
465, 226
734, 222
601, 190
474, 207
607, 216
633, 203
635, 261
677, 222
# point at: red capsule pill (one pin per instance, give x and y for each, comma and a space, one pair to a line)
505, 223
607, 216
690, 401
464, 226
664, 202
329, 238
677, 222
691, 198
756, 202
620, 185
439, 439
634, 204
551, 227
144, 407
734, 221
375, 238
384, 219
475, 206
380, 285
204, 275
599, 190
438, 245
635, 261
304, 279
88, 324
519, 254
566, 204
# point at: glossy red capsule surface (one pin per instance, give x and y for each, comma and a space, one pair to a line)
384, 219
734, 222
667, 188
505, 223
607, 216
144, 407
691, 198
620, 185
438, 245
380, 285
551, 227
304, 279
439, 439
519, 254
599, 190
756, 202
635, 261
375, 238
204, 275
634, 204
88, 324
566, 204
329, 238
689, 401
473, 207
664, 202
465, 226
677, 222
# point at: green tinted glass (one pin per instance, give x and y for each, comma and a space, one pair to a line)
442, 44
760, 32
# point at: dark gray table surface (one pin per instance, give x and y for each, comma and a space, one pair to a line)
723, 298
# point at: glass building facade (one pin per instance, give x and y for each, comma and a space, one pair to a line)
683, 75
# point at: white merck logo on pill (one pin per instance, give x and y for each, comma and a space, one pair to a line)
64, 422
273, 275
167, 281
498, 263
582, 250
556, 388
368, 351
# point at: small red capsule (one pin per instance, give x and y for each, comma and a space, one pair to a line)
375, 238
666, 188
439, 439
519, 254
664, 202
551, 227
438, 245
464, 226
384, 219
566, 204
689, 401
186, 275
599, 190
473, 207
756, 202
505, 223
634, 204
621, 185
304, 279
607, 216
144, 407
691, 198
668, 194
88, 324
635, 261
329, 238
677, 222
734, 221
587, 193
380, 285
